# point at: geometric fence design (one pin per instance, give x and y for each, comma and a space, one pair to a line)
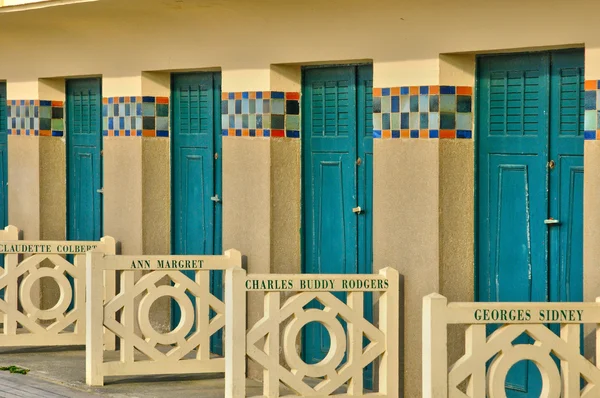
483, 370
24, 323
142, 349
340, 373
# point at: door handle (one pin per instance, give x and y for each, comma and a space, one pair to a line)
215, 198
357, 210
551, 221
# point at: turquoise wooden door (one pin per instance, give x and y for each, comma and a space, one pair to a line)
3, 165
84, 161
196, 127
3, 158
530, 172
337, 158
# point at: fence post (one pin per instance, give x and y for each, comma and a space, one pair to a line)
110, 289
11, 262
435, 347
389, 306
94, 344
235, 333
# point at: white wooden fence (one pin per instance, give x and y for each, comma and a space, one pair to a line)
340, 373
469, 377
24, 323
180, 351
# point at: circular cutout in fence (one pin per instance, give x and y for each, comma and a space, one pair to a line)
66, 294
178, 334
501, 365
337, 347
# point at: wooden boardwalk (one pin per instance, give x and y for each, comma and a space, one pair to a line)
24, 386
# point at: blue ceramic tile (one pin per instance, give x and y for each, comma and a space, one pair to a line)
111, 125
434, 133
292, 133
267, 133
395, 103
252, 132
376, 104
231, 123
277, 94
463, 133
423, 103
424, 90
404, 90
244, 121
161, 133
376, 133
414, 133
238, 132
224, 132
589, 135
395, 133
447, 103
447, 121
447, 90
463, 103
45, 103
404, 120
224, 110
148, 99
414, 103
385, 121
245, 95
245, 106
259, 106
231, 96
252, 106
238, 107
590, 100
104, 133
385, 91
259, 121
424, 120
259, 95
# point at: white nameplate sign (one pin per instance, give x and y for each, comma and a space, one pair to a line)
317, 283
166, 263
46, 247
500, 313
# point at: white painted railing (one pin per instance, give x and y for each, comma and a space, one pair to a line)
564, 380
24, 323
142, 349
340, 373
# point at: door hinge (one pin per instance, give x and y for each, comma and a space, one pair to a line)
215, 198
100, 191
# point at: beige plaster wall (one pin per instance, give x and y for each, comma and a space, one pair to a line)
403, 53
122, 158
53, 188
591, 211
406, 232
285, 206
24, 196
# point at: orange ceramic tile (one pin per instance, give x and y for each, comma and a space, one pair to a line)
138, 99
414, 90
245, 133
395, 90
447, 133
224, 96
105, 100
424, 133
278, 133
36, 102
405, 133
590, 84
376, 92
231, 132
266, 95
238, 95
259, 133
434, 89
127, 100
598, 134
464, 90
45, 133
148, 133
57, 103
252, 95
292, 96
386, 134
162, 100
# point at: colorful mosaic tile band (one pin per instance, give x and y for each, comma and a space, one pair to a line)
36, 118
261, 114
592, 112
423, 112
135, 116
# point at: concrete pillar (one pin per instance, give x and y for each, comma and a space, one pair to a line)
37, 166
423, 196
